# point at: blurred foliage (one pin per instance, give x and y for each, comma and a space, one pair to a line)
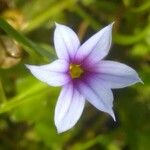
27, 105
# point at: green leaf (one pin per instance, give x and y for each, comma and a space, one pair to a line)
22, 98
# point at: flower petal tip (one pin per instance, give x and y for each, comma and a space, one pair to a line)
110, 26
140, 80
28, 66
113, 116
60, 130
56, 24
113, 23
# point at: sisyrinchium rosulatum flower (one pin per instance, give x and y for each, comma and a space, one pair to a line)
83, 74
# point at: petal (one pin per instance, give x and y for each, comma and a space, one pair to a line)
97, 95
97, 47
115, 74
53, 74
68, 109
59, 65
66, 42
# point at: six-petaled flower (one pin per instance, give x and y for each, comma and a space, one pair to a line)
83, 74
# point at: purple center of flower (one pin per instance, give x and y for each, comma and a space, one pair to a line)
75, 70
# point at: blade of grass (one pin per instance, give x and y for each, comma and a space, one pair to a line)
142, 8
9, 105
28, 45
47, 14
2, 94
89, 144
83, 14
30, 93
118, 38
131, 39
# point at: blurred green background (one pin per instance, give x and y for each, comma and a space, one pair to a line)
27, 105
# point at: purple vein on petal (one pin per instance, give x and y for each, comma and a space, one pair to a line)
69, 108
99, 97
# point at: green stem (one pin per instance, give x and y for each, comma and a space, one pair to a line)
2, 93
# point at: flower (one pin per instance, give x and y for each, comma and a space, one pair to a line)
83, 74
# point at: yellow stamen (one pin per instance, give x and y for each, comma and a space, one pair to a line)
75, 71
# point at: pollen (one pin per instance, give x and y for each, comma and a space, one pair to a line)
75, 71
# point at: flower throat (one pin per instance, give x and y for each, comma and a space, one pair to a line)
75, 71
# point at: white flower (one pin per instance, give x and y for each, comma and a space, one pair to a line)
83, 74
